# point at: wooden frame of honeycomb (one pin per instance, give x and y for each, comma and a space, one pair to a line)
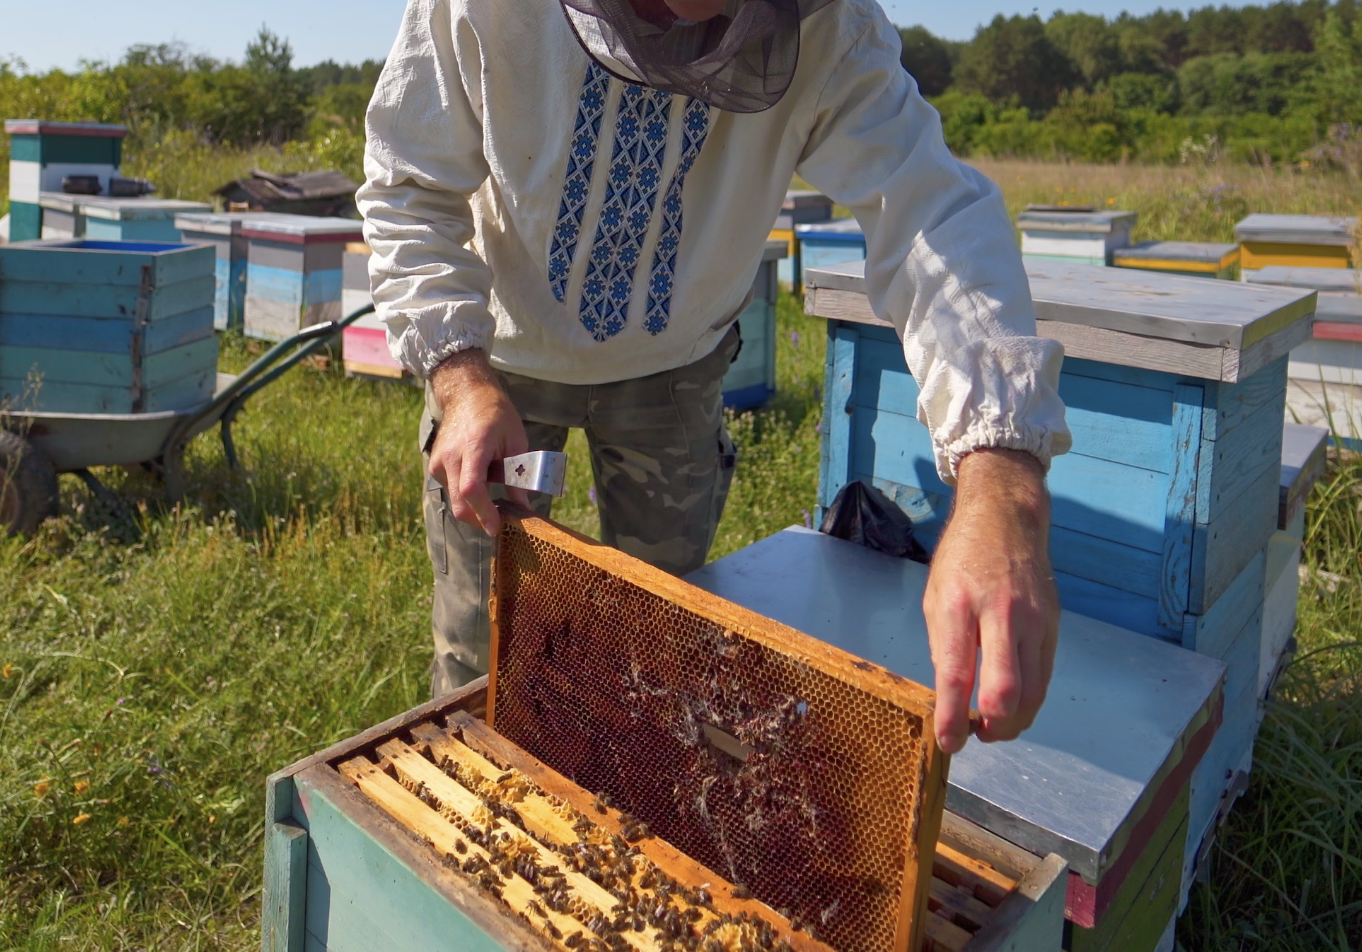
810, 778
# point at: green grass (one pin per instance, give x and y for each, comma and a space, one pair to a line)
170, 658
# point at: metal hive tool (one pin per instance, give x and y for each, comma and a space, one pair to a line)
801, 773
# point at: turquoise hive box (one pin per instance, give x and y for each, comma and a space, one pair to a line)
106, 327
1165, 508
223, 232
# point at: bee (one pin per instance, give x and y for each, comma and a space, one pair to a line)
601, 803
741, 892
796, 924
553, 930
702, 896
460, 847
573, 940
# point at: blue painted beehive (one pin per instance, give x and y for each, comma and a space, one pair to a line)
106, 327
751, 380
294, 272
1163, 511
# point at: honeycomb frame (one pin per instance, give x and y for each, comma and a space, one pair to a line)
798, 771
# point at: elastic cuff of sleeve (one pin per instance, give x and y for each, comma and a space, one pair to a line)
422, 357
1037, 441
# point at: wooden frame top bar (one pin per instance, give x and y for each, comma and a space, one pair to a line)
1217, 330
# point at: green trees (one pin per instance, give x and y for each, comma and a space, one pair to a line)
1013, 59
927, 58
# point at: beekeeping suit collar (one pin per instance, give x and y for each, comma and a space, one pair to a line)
740, 61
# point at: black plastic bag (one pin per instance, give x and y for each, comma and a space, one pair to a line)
863, 514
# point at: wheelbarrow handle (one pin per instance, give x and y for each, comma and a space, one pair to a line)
267, 368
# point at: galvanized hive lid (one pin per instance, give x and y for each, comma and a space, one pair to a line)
1296, 229
789, 766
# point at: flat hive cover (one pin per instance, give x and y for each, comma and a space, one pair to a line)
802, 773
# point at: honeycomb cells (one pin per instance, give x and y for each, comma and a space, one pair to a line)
795, 783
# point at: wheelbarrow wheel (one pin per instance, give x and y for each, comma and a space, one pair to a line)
28, 485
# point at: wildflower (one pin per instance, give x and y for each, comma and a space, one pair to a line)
212, 818
83, 818
6, 671
591, 494
82, 786
122, 821
40, 789
794, 338
1111, 201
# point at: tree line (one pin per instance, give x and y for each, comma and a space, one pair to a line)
1280, 83
1276, 83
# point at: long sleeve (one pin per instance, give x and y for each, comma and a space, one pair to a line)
942, 262
423, 161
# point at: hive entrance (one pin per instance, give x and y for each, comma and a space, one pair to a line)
797, 771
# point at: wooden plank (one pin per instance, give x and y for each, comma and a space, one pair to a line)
1279, 619
1214, 632
1098, 497
1234, 462
1147, 914
1180, 508
1109, 420
1222, 549
838, 407
1265, 254
1335, 330
365, 863
1031, 918
1133, 612
283, 912
1230, 404
108, 370
1241, 365
76, 299
1175, 357
59, 397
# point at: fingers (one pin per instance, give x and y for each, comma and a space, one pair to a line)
953, 631
474, 503
1015, 681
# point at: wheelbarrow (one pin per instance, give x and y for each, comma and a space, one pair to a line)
35, 446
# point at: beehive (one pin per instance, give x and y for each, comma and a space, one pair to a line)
1076, 234
363, 851
1201, 259
1295, 241
808, 776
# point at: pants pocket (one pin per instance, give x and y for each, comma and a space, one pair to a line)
435, 506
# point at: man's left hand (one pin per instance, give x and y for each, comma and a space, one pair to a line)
991, 597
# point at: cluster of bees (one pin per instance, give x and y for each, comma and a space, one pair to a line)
651, 909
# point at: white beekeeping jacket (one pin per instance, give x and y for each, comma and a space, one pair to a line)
522, 199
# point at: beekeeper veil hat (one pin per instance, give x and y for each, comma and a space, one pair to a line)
740, 61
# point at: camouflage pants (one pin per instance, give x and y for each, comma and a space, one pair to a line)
662, 462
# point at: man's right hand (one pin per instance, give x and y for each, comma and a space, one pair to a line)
479, 425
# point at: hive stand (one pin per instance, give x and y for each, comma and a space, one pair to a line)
1196, 259
1294, 241
801, 207
1163, 511
44, 153
294, 272
1074, 235
109, 327
1325, 372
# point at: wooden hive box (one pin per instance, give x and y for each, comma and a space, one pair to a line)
1176, 393
751, 380
1325, 372
41, 155
222, 231
829, 243
294, 272
1078, 234
350, 870
801, 206
134, 219
106, 327
1197, 259
1294, 241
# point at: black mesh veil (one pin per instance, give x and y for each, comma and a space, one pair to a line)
741, 61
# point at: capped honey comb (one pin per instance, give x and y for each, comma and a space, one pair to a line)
807, 777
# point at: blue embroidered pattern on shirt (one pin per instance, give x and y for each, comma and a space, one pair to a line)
630, 196
662, 279
586, 136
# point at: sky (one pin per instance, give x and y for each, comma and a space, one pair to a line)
356, 30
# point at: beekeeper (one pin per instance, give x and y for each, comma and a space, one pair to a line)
567, 202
